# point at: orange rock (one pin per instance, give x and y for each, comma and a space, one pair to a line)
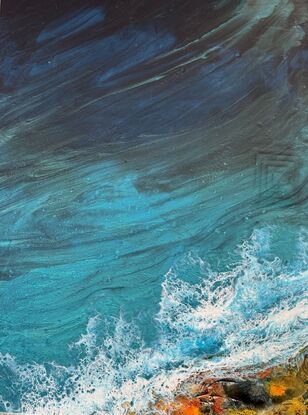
184, 406
181, 406
276, 390
218, 405
265, 373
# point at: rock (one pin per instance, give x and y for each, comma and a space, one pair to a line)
180, 406
206, 408
250, 392
243, 411
292, 407
281, 390
265, 374
277, 391
218, 405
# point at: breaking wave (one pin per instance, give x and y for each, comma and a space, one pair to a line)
251, 315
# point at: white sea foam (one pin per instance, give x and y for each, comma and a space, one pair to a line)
253, 314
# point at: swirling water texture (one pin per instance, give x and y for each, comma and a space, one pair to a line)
130, 136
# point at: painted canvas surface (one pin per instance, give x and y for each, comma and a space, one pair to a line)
153, 207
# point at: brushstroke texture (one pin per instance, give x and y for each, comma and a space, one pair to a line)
138, 139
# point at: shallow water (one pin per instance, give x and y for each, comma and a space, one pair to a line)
153, 194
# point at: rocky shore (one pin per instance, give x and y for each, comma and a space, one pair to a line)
280, 390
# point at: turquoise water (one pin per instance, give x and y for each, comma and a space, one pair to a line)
153, 196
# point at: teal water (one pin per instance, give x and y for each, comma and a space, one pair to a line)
153, 199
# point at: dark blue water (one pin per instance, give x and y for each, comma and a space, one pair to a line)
153, 197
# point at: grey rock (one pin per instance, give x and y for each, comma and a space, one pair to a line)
249, 392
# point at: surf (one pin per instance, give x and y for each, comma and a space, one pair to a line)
252, 315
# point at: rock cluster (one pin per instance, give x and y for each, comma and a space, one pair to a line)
281, 390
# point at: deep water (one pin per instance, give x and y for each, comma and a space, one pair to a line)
153, 196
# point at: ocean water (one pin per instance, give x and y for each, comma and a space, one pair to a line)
153, 197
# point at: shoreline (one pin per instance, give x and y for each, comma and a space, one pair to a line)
277, 390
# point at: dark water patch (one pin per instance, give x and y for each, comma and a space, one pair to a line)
133, 137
